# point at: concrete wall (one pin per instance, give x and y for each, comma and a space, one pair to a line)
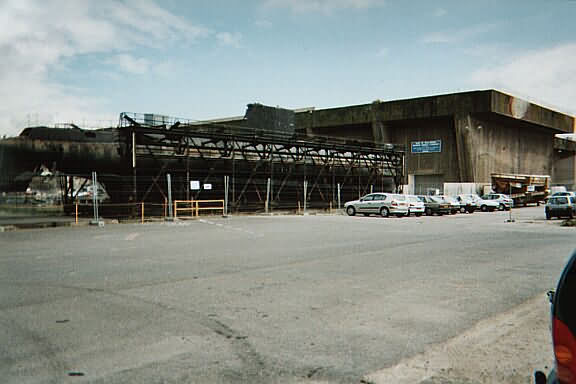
564, 172
361, 132
502, 145
420, 164
473, 146
523, 110
482, 132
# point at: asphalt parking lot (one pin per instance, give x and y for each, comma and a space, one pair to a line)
284, 299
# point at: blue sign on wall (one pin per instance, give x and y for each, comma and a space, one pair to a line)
432, 146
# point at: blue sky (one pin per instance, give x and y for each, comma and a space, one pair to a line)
86, 60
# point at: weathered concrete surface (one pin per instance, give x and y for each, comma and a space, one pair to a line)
262, 299
485, 101
501, 145
482, 132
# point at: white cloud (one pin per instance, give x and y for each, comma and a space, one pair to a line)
130, 64
37, 36
439, 12
323, 6
546, 76
263, 24
229, 39
383, 52
456, 36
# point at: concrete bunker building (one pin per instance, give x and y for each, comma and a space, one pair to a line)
454, 142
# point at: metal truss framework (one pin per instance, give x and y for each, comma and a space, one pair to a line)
259, 150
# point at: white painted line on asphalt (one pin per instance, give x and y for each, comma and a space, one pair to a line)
132, 236
229, 227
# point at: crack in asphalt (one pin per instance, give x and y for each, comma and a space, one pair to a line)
255, 369
45, 350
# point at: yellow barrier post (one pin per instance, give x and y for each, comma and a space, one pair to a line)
142, 212
165, 207
76, 211
196, 208
175, 211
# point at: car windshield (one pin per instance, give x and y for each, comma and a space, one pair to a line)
437, 199
400, 197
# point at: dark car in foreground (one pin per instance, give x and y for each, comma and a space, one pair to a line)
563, 328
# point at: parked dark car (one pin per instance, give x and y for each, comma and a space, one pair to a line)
563, 328
560, 206
435, 205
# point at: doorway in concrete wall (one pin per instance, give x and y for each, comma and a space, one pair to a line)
428, 184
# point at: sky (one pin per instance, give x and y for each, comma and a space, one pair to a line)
85, 61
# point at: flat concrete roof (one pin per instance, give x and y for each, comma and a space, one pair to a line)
447, 105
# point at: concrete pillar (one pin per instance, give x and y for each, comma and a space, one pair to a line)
462, 132
380, 130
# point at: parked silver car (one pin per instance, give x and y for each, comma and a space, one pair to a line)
484, 205
467, 204
416, 206
504, 201
384, 204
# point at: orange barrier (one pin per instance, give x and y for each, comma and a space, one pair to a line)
139, 211
195, 206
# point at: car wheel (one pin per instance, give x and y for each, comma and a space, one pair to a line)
548, 216
462, 210
418, 214
501, 207
351, 211
384, 212
471, 210
484, 208
428, 211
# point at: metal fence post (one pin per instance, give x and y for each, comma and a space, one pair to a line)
226, 188
339, 196
96, 220
305, 195
267, 203
170, 212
